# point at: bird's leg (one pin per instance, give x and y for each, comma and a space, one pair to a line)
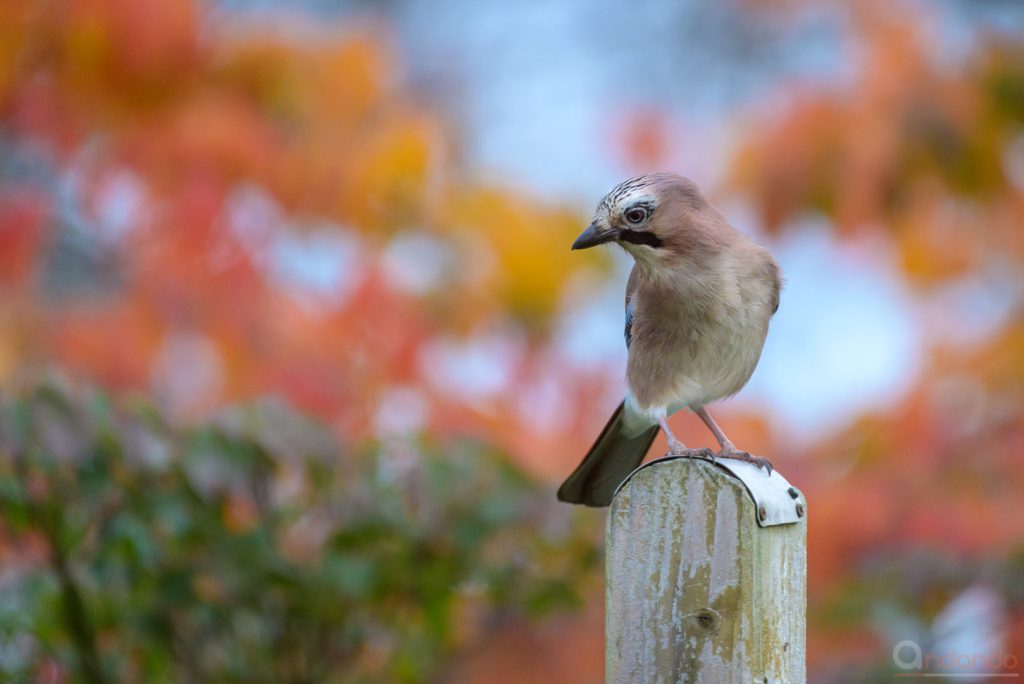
729, 449
677, 448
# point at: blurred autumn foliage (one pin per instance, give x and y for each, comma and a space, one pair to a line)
925, 498
209, 213
206, 211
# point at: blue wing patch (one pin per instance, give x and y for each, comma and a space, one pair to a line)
629, 324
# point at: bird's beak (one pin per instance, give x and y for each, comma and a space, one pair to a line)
594, 235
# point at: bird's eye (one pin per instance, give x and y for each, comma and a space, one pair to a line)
636, 215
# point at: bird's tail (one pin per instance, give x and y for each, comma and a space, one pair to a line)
614, 456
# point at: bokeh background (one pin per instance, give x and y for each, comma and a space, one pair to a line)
294, 352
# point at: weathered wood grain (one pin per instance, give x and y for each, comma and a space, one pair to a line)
696, 590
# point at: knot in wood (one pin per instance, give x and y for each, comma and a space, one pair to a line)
707, 620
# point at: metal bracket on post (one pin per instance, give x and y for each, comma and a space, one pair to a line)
776, 502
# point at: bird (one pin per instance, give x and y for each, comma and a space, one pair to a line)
698, 303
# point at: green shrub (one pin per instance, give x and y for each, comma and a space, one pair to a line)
255, 548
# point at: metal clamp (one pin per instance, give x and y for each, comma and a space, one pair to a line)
776, 501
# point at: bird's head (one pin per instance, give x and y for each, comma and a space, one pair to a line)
652, 217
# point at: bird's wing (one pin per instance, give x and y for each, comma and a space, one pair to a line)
630, 287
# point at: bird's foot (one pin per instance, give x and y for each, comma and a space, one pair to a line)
732, 452
686, 452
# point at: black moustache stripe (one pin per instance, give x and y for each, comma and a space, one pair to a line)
640, 237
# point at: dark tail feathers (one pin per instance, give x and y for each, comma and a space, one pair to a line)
613, 457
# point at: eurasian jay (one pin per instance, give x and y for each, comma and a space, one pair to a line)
698, 302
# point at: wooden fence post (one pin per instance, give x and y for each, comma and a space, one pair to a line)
706, 576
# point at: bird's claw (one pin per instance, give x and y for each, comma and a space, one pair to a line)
746, 456
685, 452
